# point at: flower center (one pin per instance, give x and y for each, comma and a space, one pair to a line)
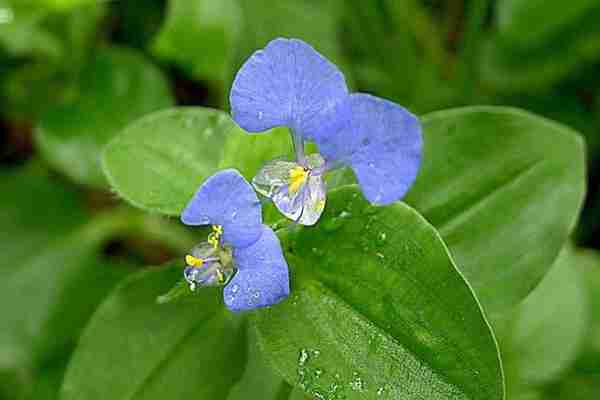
210, 263
298, 176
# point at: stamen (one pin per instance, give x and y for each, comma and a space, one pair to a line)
194, 261
298, 176
215, 237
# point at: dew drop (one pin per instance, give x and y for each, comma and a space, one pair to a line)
317, 251
303, 357
357, 383
260, 115
235, 288
6, 15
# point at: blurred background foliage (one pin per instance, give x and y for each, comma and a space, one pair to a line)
75, 72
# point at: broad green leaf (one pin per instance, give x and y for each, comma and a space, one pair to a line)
116, 88
503, 187
158, 162
378, 310
531, 22
209, 29
576, 386
259, 381
63, 5
48, 381
506, 68
31, 89
265, 146
52, 276
134, 348
22, 33
78, 30
544, 334
588, 263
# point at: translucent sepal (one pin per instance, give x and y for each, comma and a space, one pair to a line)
299, 196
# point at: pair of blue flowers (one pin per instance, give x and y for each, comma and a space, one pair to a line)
290, 84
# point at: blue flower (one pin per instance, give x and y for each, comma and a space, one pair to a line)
241, 252
288, 83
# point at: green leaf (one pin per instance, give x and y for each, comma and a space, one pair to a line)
532, 22
543, 335
503, 187
259, 381
209, 29
117, 87
158, 162
22, 33
378, 310
64, 5
134, 348
507, 68
265, 146
52, 276
588, 263
575, 387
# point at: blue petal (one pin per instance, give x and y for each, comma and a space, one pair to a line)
227, 199
262, 278
382, 142
287, 83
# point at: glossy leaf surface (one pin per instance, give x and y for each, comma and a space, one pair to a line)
487, 173
159, 161
378, 310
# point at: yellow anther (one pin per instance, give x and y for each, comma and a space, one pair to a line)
193, 261
215, 236
298, 176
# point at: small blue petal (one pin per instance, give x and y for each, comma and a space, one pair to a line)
227, 199
382, 142
262, 278
288, 83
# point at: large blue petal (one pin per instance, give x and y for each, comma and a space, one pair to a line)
227, 199
382, 142
262, 278
287, 83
